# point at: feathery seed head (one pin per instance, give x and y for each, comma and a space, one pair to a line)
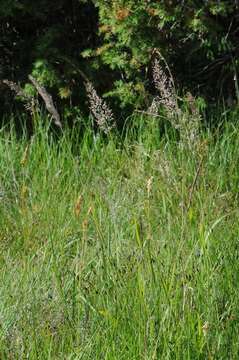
102, 113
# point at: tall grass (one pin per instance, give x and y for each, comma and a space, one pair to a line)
119, 250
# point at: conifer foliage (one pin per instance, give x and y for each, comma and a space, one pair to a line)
112, 44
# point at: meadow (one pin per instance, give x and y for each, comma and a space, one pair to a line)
119, 247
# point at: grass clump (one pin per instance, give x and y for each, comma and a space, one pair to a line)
119, 251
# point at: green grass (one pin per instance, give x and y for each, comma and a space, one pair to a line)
143, 266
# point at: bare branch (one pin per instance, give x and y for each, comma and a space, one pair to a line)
27, 99
47, 98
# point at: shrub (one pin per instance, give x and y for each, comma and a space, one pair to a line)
198, 39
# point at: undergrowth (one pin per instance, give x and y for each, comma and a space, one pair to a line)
119, 250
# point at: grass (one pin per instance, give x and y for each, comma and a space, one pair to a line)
116, 250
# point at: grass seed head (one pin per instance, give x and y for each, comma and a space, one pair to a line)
149, 185
78, 206
103, 115
25, 156
205, 328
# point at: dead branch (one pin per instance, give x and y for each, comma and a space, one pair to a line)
47, 98
27, 99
